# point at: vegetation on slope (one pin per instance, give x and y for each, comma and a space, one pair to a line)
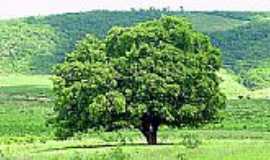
239, 15
26, 47
230, 85
233, 89
246, 51
35, 44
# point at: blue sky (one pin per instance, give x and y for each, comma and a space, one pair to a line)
20, 8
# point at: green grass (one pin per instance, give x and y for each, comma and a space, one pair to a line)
232, 148
251, 115
25, 102
231, 87
209, 24
261, 93
19, 86
21, 118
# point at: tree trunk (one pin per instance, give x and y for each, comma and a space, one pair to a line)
152, 137
149, 128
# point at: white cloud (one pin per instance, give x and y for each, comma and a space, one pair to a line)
19, 8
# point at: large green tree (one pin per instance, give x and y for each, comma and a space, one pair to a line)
157, 72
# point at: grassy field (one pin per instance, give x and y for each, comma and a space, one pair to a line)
26, 101
233, 89
22, 118
225, 145
24, 87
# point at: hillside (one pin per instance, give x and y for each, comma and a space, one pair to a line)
233, 89
246, 51
35, 44
26, 47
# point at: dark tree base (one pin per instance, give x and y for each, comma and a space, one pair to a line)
149, 128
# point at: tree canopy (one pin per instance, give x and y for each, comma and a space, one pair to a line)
157, 72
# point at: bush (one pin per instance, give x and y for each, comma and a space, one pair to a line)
191, 141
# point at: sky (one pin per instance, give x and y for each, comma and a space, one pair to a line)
21, 8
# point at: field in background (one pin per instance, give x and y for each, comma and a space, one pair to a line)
12, 85
21, 86
234, 90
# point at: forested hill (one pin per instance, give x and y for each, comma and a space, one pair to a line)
35, 44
